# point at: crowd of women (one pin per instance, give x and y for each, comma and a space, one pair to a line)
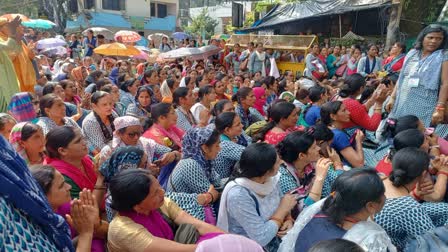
126, 155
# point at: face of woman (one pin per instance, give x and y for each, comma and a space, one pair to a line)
250, 99
324, 52
154, 200
59, 192
157, 93
211, 75
154, 79
312, 155
170, 119
115, 93
77, 148
257, 76
193, 76
133, 88
189, 99
104, 106
219, 88
228, 107
292, 119
57, 110
7, 129
395, 50
70, 89
163, 75
236, 129
373, 51
343, 115
432, 41
356, 53
211, 96
144, 99
59, 91
336, 50
131, 135
260, 48
34, 144
210, 152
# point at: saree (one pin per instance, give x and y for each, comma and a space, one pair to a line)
8, 78
171, 137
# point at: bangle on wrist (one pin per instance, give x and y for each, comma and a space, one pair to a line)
277, 221
415, 196
441, 103
212, 198
99, 187
317, 194
443, 173
434, 146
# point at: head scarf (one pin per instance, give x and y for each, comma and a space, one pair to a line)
77, 73
21, 108
16, 137
141, 68
191, 147
125, 121
288, 96
123, 158
229, 242
260, 102
21, 190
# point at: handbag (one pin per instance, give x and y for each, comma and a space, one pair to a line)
341, 70
243, 65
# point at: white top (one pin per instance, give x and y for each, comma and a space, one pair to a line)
196, 110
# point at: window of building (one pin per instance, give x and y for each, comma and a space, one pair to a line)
162, 10
89, 4
73, 6
153, 9
114, 5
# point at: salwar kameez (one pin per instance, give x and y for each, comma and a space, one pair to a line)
9, 84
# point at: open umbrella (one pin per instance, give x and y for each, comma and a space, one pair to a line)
11, 16
50, 43
157, 36
59, 50
143, 49
180, 35
39, 23
142, 55
108, 34
127, 36
209, 50
116, 49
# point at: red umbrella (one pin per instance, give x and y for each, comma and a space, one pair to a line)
127, 36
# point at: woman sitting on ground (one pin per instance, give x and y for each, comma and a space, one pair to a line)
403, 216
142, 106
283, 119
357, 195
146, 217
7, 122
246, 100
163, 129
53, 112
29, 141
252, 204
58, 195
335, 115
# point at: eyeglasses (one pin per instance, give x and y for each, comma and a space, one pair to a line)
134, 134
35, 102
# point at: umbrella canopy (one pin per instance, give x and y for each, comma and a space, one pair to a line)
59, 50
157, 36
209, 50
142, 55
222, 36
116, 49
127, 36
50, 43
39, 23
108, 34
11, 16
180, 35
191, 52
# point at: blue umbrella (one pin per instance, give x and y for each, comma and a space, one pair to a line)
180, 35
39, 23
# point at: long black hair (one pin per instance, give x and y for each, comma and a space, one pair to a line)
279, 110
59, 137
224, 120
395, 126
430, 29
129, 188
256, 160
352, 84
293, 144
407, 138
407, 165
352, 190
328, 109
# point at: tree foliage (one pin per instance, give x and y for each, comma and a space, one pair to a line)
28, 8
202, 24
56, 11
249, 19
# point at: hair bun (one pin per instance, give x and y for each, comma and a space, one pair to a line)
397, 177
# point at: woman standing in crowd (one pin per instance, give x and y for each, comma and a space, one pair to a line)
369, 65
423, 85
257, 61
7, 122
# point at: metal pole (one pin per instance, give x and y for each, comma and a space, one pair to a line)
340, 27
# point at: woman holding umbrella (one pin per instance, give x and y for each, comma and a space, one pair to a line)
89, 43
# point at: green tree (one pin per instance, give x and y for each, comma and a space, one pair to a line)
28, 8
249, 19
201, 25
56, 11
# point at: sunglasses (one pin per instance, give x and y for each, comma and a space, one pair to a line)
134, 134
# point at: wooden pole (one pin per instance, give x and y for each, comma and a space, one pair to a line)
340, 27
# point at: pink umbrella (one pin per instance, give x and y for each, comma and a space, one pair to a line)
142, 55
124, 36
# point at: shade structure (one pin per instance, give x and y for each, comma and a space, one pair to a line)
39, 23
50, 43
11, 16
127, 36
116, 49
108, 34
192, 53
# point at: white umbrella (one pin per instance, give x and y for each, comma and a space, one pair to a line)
50, 43
59, 50
193, 53
108, 34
